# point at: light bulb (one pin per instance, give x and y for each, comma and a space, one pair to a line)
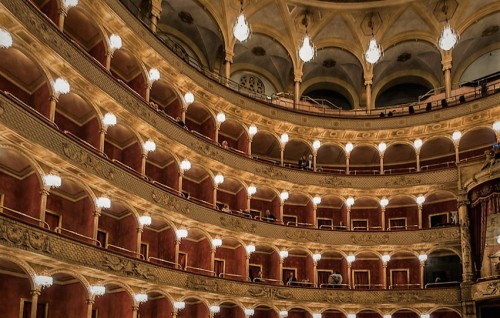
219, 178
316, 200
456, 135
283, 254
97, 290
284, 138
384, 202
252, 130
251, 190
496, 126
181, 233
250, 248
70, 3
153, 75
141, 298
188, 98
61, 86
283, 313
5, 39
349, 202
284, 196
115, 42
417, 144
216, 242
185, 165
214, 309
316, 257
382, 147
422, 257
350, 258
221, 117
349, 147
179, 305
52, 180
109, 120
316, 144
103, 202
386, 258
149, 146
420, 199
43, 280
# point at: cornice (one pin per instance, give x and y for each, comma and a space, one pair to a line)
34, 132
46, 244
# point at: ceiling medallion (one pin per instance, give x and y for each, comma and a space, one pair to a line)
329, 63
186, 17
490, 30
404, 57
259, 51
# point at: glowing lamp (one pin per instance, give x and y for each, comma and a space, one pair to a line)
145, 220
5, 39
188, 98
185, 165
97, 290
109, 120
252, 130
316, 200
153, 75
386, 258
115, 42
43, 281
103, 202
420, 200
61, 86
181, 233
141, 298
149, 146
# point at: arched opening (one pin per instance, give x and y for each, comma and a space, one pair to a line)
231, 193
367, 271
15, 287
401, 214
50, 8
298, 210
298, 269
117, 230
405, 313
366, 215
116, 302
443, 268
122, 146
265, 146
77, 118
158, 305
439, 209
336, 96
230, 260
165, 97
200, 121
162, 168
197, 184
126, 68
21, 77
265, 199
299, 313
399, 158
331, 158
229, 309
474, 143
158, 243
402, 91
195, 253
195, 308
234, 135
332, 313
66, 296
368, 314
263, 311
332, 262
437, 153
331, 213
298, 150
445, 313
70, 211
80, 27
403, 271
364, 159
264, 265
19, 187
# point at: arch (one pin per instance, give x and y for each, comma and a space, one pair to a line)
126, 288
128, 206
85, 283
127, 67
195, 296
8, 256
161, 292
434, 309
352, 95
245, 68
85, 187
303, 307
33, 163
395, 310
445, 248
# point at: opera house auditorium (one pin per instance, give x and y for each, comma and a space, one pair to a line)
249, 158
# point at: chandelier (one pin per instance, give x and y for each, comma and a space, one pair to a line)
448, 37
5, 39
241, 29
307, 50
374, 51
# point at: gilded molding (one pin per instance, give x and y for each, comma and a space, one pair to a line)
96, 75
433, 236
75, 254
23, 238
126, 266
36, 132
170, 202
87, 160
270, 293
236, 224
486, 289
370, 238
303, 235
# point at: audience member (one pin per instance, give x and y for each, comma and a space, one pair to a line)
335, 279
310, 163
269, 217
258, 278
302, 162
225, 144
291, 279
225, 208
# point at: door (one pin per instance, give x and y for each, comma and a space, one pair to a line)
219, 266
399, 278
361, 279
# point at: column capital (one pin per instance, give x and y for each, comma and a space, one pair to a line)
462, 199
35, 291
446, 60
90, 301
298, 76
97, 212
229, 55
54, 98
63, 11
135, 307
45, 191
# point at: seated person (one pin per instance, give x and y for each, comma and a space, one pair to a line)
225, 144
226, 208
291, 279
269, 217
258, 278
335, 279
